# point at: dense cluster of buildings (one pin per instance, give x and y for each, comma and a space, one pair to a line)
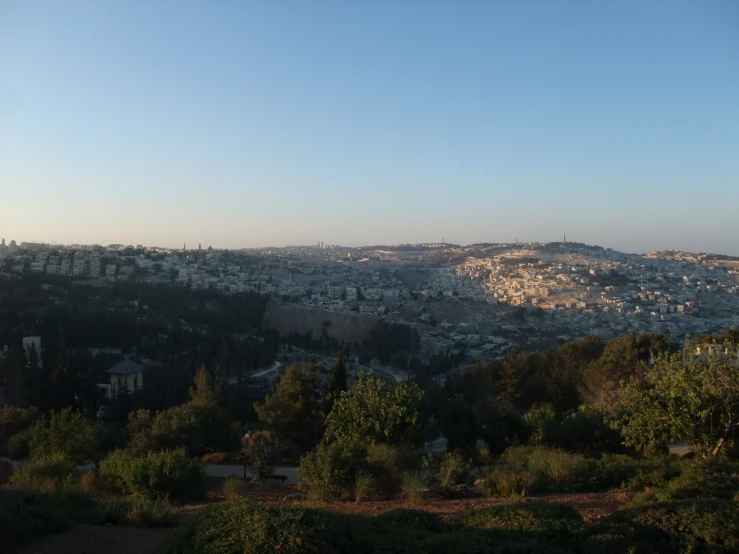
480, 299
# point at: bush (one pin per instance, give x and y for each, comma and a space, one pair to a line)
67, 433
412, 486
387, 464
261, 453
329, 471
363, 485
507, 482
113, 512
234, 488
420, 520
17, 447
677, 526
535, 519
44, 473
145, 513
222, 458
165, 475
91, 481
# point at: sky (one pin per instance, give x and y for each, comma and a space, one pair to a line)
256, 123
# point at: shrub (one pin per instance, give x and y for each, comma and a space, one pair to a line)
329, 471
451, 463
234, 488
45, 472
507, 482
261, 453
67, 433
112, 512
412, 486
680, 525
543, 424
247, 528
145, 513
363, 485
221, 458
387, 464
557, 470
535, 519
92, 482
168, 474
588, 431
416, 519
17, 447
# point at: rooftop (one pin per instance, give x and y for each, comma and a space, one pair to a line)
126, 367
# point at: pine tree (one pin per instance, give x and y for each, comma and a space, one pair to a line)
204, 391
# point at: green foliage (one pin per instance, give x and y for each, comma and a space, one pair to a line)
587, 430
543, 424
17, 446
247, 528
198, 426
412, 486
140, 513
234, 488
329, 471
451, 465
145, 513
292, 411
363, 486
44, 472
14, 425
387, 464
167, 475
261, 453
419, 520
693, 525
682, 399
113, 512
373, 413
204, 390
68, 434
508, 482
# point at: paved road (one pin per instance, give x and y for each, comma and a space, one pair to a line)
226, 471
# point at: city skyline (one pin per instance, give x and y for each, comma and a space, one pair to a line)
248, 125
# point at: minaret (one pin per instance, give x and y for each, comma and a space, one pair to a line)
564, 239
184, 247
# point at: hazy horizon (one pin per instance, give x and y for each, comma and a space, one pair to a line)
242, 125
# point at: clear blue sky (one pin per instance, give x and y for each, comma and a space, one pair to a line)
250, 123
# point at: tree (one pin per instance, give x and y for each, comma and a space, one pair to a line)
373, 414
337, 382
292, 411
682, 398
261, 453
204, 390
67, 433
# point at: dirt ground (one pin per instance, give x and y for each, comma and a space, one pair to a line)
109, 539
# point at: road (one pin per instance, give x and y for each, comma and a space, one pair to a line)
260, 373
226, 471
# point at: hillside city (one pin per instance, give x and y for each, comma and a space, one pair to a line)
481, 298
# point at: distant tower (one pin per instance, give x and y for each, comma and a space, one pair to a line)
184, 247
199, 247
442, 240
564, 239
3, 242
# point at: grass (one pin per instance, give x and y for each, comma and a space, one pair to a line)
234, 488
412, 486
140, 513
363, 485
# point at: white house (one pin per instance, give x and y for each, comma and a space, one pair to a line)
125, 375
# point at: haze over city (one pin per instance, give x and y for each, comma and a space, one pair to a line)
256, 124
